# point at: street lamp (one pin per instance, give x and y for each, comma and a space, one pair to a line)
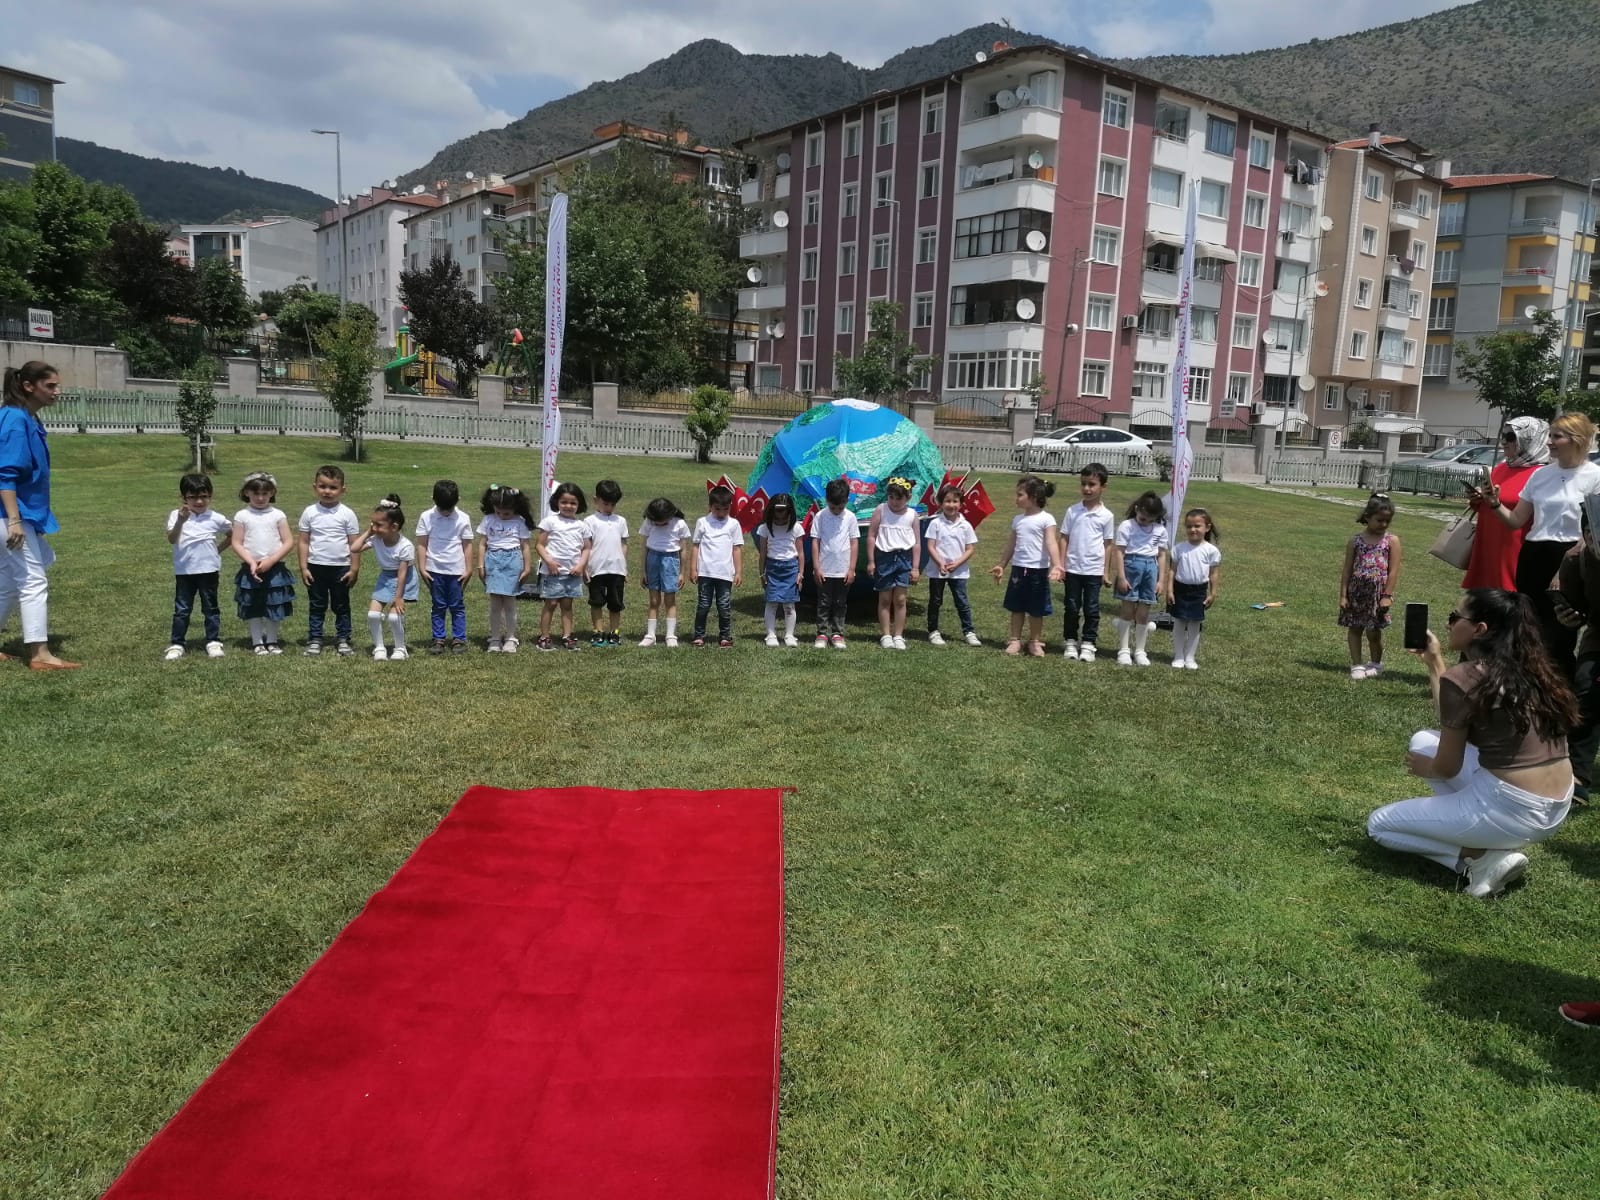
1585, 230
338, 202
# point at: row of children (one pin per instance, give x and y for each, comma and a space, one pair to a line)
569, 547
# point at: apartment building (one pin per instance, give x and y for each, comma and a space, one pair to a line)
368, 230
1027, 213
1508, 245
534, 187
27, 121
269, 254
469, 228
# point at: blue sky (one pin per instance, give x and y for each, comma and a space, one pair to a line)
236, 84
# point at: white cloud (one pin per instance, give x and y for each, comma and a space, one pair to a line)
1238, 25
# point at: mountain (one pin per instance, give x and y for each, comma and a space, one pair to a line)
1500, 85
180, 192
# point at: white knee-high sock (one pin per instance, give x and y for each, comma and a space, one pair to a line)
397, 630
1194, 640
508, 616
772, 618
375, 627
672, 627
1123, 628
270, 627
1141, 634
258, 630
789, 615
650, 627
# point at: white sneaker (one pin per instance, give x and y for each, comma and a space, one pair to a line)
1191, 664
1071, 651
1124, 658
1358, 672
214, 650
494, 645
510, 646
398, 654
772, 639
1141, 659
821, 643
672, 642
1488, 874
790, 640
648, 639
936, 638
899, 643
1374, 670
1178, 664
972, 639
1085, 653
174, 653
886, 642
838, 642
379, 654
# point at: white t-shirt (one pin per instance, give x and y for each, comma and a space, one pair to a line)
449, 534
503, 533
260, 527
715, 540
331, 529
1087, 531
1192, 562
896, 531
1556, 494
1031, 530
195, 552
389, 557
783, 543
666, 538
1141, 541
610, 534
835, 538
950, 540
564, 539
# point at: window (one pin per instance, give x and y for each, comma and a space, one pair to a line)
1172, 120
927, 245
930, 180
852, 139
1250, 270
1295, 218
886, 124
1098, 315
850, 200
1436, 359
883, 187
1452, 217
1113, 177
1422, 202
808, 377
1419, 254
1150, 380
808, 321
1291, 277
922, 310
1255, 211
1157, 320
933, 115
808, 265
1358, 344
1213, 199
1166, 187
1244, 332
922, 381
847, 259
1220, 135
26, 93
1238, 394
999, 233
1105, 246
1260, 150
1332, 397
1369, 240
880, 252
813, 208
472, 246
1414, 304
813, 149
1373, 189
1008, 369
846, 322
1203, 324
1199, 385
1363, 293
1210, 270
1114, 111
1408, 352
986, 303
1288, 334
1096, 378
1162, 257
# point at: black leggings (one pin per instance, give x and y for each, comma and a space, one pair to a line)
1536, 569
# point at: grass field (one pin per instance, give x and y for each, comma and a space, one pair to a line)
1054, 930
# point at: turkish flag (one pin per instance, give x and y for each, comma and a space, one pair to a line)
977, 505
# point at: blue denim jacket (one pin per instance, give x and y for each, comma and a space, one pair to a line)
25, 467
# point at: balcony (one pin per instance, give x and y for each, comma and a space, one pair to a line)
757, 191
1397, 319
1158, 287
1447, 275
1001, 197
1393, 270
992, 268
1392, 370
1536, 227
762, 299
764, 243
1542, 278
1404, 216
1440, 324
1029, 121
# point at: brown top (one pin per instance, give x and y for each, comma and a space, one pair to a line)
1500, 747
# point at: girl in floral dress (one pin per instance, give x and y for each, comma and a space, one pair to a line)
1367, 585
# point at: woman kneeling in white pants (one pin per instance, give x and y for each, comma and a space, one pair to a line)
1498, 765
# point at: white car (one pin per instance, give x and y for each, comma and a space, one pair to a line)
1078, 444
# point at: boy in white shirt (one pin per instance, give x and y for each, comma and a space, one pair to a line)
197, 533
444, 536
717, 565
835, 533
1087, 531
328, 529
608, 564
952, 541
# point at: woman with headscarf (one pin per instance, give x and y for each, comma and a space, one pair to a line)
1525, 442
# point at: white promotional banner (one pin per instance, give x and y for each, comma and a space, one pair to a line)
1182, 454
555, 329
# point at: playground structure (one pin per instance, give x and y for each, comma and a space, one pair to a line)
416, 371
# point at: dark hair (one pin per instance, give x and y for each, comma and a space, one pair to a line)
1098, 470
258, 481
785, 499
568, 489
661, 510
32, 371
719, 495
951, 489
195, 485
1150, 504
389, 506
608, 490
1036, 489
1212, 533
837, 491
892, 488
497, 496
446, 495
1377, 503
1520, 678
329, 471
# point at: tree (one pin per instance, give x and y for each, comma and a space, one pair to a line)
19, 243
304, 316
221, 305
888, 363
72, 220
197, 404
1518, 371
349, 357
447, 318
147, 284
709, 409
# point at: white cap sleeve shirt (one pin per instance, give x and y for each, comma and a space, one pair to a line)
1141, 541
1032, 529
195, 552
564, 539
1556, 494
609, 555
448, 535
1087, 531
260, 527
1192, 561
836, 536
951, 539
783, 543
666, 538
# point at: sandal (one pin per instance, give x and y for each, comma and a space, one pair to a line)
1013, 646
1035, 649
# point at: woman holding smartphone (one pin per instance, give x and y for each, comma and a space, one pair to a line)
1525, 444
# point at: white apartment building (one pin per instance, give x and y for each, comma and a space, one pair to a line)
370, 230
469, 229
269, 254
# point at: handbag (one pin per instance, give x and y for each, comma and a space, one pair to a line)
1454, 543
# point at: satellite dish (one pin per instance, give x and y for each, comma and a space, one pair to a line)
1007, 100
1026, 309
418, 190
1325, 223
783, 161
780, 220
470, 175
1035, 160
1307, 383
779, 329
1037, 241
753, 274
981, 56
1024, 95
389, 183
1321, 288
1269, 339
1531, 311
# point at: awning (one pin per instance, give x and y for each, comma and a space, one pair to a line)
1154, 237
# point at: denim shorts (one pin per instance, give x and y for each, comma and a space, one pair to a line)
662, 570
892, 569
1028, 591
560, 587
1140, 572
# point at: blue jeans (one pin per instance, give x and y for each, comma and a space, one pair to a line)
958, 593
188, 587
1083, 599
447, 596
720, 591
328, 588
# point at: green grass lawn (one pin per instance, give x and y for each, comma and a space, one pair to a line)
1054, 930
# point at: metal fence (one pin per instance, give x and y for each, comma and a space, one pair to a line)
1328, 472
745, 402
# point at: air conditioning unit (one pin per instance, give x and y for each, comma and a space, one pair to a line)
1288, 237
1130, 322
1258, 409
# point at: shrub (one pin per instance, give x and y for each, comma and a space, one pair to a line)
709, 409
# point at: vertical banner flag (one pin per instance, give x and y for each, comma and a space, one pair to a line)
555, 329
1182, 455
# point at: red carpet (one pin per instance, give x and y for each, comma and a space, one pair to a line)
564, 993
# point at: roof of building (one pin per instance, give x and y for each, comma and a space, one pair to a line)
487, 191
1003, 52
615, 131
356, 206
21, 74
1361, 143
1480, 181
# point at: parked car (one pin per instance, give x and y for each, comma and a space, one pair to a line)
1444, 470
1073, 445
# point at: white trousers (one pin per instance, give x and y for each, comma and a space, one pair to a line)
23, 584
1473, 810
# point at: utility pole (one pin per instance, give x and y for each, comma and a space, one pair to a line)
338, 201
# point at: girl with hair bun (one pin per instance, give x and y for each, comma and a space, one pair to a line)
397, 582
1033, 552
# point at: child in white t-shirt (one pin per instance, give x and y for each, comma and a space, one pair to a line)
1139, 558
263, 590
327, 531
717, 566
835, 534
1034, 554
664, 531
197, 533
505, 559
892, 560
778, 540
1087, 532
1192, 584
563, 545
608, 564
444, 549
396, 585
951, 544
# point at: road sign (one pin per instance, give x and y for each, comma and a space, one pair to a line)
1335, 438
41, 323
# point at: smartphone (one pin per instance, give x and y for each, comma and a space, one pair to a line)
1416, 636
